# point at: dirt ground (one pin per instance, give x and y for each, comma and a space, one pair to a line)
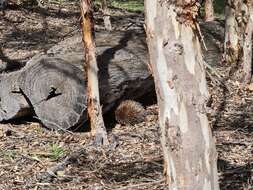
134, 160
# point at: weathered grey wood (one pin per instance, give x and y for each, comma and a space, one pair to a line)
123, 74
122, 58
12, 102
56, 90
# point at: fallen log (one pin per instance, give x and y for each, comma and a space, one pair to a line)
12, 103
123, 73
54, 83
56, 91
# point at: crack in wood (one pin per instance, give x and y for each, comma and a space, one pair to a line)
52, 93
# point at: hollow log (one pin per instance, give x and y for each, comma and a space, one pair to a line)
54, 84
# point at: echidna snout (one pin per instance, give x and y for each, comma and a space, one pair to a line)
130, 112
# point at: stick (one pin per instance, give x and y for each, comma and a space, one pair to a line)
94, 108
216, 74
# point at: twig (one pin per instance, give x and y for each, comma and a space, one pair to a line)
212, 78
57, 126
201, 36
43, 184
215, 72
212, 69
237, 170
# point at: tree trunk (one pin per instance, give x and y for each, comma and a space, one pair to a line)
231, 43
247, 59
106, 16
238, 36
175, 56
209, 12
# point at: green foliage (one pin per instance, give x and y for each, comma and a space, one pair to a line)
39, 130
219, 7
138, 5
129, 5
9, 154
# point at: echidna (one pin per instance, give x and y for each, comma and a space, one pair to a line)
130, 112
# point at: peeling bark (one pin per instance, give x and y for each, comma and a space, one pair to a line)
94, 108
177, 64
209, 12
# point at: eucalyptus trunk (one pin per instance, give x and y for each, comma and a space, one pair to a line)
247, 59
232, 34
209, 11
177, 65
106, 15
238, 36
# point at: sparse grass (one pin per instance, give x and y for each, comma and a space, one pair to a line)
138, 5
129, 5
39, 130
9, 154
56, 151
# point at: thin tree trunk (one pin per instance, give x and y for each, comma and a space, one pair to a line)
231, 43
106, 16
238, 36
177, 64
94, 108
247, 48
209, 12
